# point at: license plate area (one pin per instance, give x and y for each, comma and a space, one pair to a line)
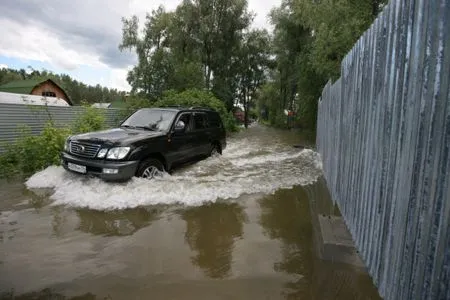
76, 168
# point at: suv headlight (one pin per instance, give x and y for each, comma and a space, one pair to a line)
67, 145
118, 152
102, 153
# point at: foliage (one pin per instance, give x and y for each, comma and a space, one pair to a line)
92, 119
254, 59
187, 98
133, 103
32, 153
77, 91
310, 39
195, 97
337, 25
205, 45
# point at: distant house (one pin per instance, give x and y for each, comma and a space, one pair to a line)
11, 98
102, 105
43, 88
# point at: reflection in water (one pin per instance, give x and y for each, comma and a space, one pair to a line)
59, 220
116, 223
38, 198
335, 282
45, 294
320, 200
63, 248
285, 216
211, 230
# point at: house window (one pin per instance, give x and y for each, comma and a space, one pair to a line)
48, 94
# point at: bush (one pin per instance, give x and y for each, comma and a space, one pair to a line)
32, 153
91, 119
134, 103
195, 97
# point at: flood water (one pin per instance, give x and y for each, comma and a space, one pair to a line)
236, 226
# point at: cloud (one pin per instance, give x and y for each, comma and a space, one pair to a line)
66, 34
262, 9
70, 34
117, 79
3, 66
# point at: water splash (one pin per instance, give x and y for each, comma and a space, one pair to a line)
247, 167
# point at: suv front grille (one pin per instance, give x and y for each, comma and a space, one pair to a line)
84, 149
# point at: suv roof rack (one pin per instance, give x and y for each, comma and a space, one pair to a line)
201, 107
189, 108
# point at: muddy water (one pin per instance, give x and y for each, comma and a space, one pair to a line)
236, 226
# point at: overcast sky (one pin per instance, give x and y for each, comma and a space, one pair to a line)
80, 37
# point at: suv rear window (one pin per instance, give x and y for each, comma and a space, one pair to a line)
200, 121
214, 120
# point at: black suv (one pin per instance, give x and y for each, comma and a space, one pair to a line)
147, 143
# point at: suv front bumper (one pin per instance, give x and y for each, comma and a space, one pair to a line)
125, 169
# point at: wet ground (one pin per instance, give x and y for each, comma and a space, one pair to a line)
231, 227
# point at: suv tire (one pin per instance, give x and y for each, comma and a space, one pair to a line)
150, 168
215, 150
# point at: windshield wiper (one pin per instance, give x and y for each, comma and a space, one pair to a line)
146, 128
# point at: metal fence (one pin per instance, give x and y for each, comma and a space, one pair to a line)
14, 116
384, 136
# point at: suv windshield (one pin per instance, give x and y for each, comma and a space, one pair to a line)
150, 119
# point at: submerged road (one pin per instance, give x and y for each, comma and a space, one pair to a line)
231, 227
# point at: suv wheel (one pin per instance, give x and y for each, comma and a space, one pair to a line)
150, 169
215, 150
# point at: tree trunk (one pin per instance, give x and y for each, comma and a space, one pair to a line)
375, 7
208, 79
245, 108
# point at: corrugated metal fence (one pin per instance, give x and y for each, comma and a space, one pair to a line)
13, 116
384, 136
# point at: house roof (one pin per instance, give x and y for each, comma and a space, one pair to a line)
27, 86
101, 105
14, 98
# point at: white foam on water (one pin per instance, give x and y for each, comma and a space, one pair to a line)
235, 173
263, 159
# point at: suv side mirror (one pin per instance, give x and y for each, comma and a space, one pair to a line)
180, 127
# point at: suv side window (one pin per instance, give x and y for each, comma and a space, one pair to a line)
214, 120
200, 121
186, 118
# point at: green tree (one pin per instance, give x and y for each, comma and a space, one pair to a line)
193, 47
252, 61
336, 25
8, 75
196, 97
310, 39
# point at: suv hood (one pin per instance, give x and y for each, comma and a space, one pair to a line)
116, 135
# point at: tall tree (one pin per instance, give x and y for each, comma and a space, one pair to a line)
192, 47
253, 61
151, 75
310, 39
